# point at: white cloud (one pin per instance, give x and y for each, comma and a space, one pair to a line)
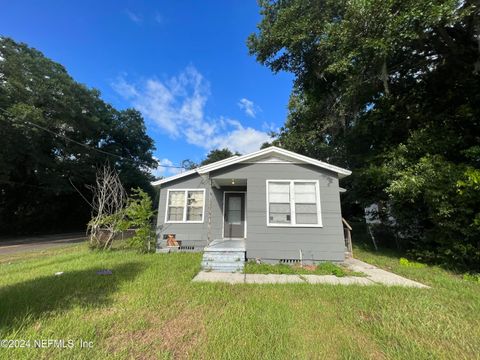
177, 106
134, 17
128, 91
248, 106
270, 127
165, 170
243, 140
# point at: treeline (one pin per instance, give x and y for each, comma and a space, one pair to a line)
54, 133
391, 90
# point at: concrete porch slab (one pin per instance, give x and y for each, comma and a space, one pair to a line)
226, 245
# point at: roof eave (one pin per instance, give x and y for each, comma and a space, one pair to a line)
238, 159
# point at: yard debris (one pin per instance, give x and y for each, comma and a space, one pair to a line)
104, 272
58, 273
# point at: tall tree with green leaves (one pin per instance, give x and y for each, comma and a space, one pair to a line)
390, 89
213, 156
217, 155
54, 133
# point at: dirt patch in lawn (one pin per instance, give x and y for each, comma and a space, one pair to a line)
177, 336
182, 333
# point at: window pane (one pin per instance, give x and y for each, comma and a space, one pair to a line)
305, 203
306, 213
280, 208
279, 192
306, 208
176, 198
279, 202
194, 213
194, 205
234, 203
175, 213
234, 217
234, 210
305, 193
195, 198
306, 218
280, 213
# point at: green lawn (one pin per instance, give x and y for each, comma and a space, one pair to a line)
149, 308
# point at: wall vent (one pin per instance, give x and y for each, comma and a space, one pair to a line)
289, 261
187, 247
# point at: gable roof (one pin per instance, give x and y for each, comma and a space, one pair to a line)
270, 151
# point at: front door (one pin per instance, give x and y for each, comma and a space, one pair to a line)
234, 215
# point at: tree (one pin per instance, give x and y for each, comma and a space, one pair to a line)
217, 155
108, 209
391, 90
213, 156
139, 215
55, 132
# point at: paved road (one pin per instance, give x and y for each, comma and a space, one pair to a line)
37, 243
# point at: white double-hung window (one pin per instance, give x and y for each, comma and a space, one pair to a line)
293, 203
185, 206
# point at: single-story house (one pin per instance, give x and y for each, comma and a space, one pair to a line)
274, 205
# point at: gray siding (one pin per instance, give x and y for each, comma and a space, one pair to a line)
266, 242
274, 243
190, 234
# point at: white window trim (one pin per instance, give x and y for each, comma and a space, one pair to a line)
185, 221
292, 204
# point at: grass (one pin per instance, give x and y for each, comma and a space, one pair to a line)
326, 268
149, 309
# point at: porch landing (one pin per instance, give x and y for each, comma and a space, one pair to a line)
224, 256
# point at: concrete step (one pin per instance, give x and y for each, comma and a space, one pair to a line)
224, 258
224, 268
207, 263
220, 253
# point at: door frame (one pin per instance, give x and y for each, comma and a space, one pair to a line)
245, 216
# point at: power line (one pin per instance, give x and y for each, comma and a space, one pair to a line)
92, 148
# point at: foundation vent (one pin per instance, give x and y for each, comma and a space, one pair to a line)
289, 261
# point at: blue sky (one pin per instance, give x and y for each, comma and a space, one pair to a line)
183, 64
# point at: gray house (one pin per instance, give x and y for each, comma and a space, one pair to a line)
273, 205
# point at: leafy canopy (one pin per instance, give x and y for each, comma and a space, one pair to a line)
390, 89
41, 106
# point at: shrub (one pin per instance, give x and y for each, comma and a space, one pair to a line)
408, 263
471, 277
139, 215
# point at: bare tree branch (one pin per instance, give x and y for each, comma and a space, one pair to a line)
108, 204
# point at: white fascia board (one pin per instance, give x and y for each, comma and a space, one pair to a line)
305, 159
309, 160
174, 177
188, 172
239, 159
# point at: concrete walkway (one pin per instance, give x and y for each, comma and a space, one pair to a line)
374, 276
